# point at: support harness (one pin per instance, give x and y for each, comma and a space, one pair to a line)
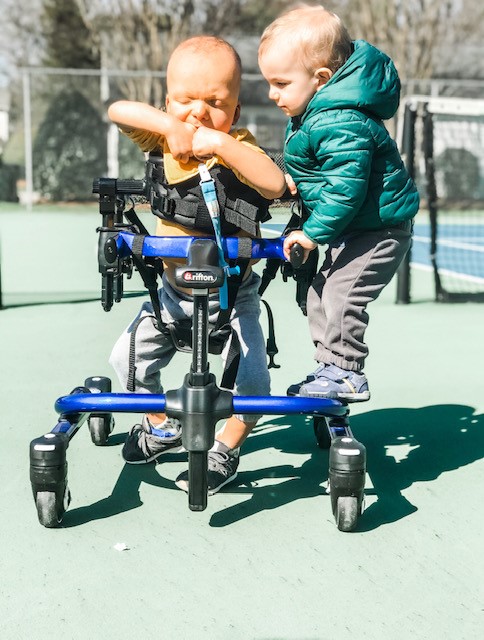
197, 206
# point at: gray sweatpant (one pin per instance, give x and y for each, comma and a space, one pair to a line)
354, 272
154, 350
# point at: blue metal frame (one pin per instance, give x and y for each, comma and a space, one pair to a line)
199, 402
149, 403
178, 247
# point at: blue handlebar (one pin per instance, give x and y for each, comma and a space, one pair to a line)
178, 246
148, 403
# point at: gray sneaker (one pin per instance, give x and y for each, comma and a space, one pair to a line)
334, 382
146, 443
222, 469
295, 389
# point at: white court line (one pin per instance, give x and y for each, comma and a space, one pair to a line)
452, 244
448, 272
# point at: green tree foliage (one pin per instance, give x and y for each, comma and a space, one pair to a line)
69, 149
68, 41
9, 174
461, 184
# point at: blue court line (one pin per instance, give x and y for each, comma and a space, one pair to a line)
459, 255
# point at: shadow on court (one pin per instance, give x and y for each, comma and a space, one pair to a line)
16, 301
125, 495
403, 446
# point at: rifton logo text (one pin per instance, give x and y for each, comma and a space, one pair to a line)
199, 276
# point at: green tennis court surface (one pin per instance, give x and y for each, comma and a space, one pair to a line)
265, 561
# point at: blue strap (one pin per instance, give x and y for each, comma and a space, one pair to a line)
207, 185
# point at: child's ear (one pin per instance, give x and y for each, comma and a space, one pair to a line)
322, 75
236, 114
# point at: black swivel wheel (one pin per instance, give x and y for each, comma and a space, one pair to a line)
321, 432
346, 512
51, 505
48, 477
347, 469
98, 384
100, 424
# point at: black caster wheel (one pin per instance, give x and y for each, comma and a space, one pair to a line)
51, 506
346, 513
197, 480
347, 469
321, 432
98, 384
48, 477
100, 426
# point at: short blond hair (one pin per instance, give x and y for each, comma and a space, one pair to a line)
318, 35
206, 45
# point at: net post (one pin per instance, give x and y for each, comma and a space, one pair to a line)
408, 154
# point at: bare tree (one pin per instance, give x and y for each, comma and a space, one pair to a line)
21, 40
140, 35
417, 34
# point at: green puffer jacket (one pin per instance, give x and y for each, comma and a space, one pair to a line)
347, 168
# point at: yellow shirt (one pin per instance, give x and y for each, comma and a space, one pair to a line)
176, 172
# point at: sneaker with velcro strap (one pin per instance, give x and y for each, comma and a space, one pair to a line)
294, 389
222, 469
146, 442
336, 383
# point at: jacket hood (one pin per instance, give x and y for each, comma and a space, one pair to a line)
368, 81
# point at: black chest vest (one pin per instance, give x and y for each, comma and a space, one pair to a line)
241, 207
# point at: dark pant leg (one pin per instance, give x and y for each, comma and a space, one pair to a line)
354, 273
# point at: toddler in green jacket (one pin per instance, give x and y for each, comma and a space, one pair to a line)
358, 198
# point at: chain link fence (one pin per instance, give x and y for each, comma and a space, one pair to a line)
62, 139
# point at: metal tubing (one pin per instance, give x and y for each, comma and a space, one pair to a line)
147, 403
177, 247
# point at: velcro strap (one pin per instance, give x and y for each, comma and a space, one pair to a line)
217, 339
244, 248
242, 206
186, 207
241, 222
232, 363
137, 246
335, 373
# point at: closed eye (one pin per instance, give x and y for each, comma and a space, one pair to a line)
215, 103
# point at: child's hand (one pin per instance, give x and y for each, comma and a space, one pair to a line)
180, 140
301, 238
206, 142
291, 185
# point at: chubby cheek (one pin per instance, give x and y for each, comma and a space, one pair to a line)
292, 102
222, 122
177, 110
